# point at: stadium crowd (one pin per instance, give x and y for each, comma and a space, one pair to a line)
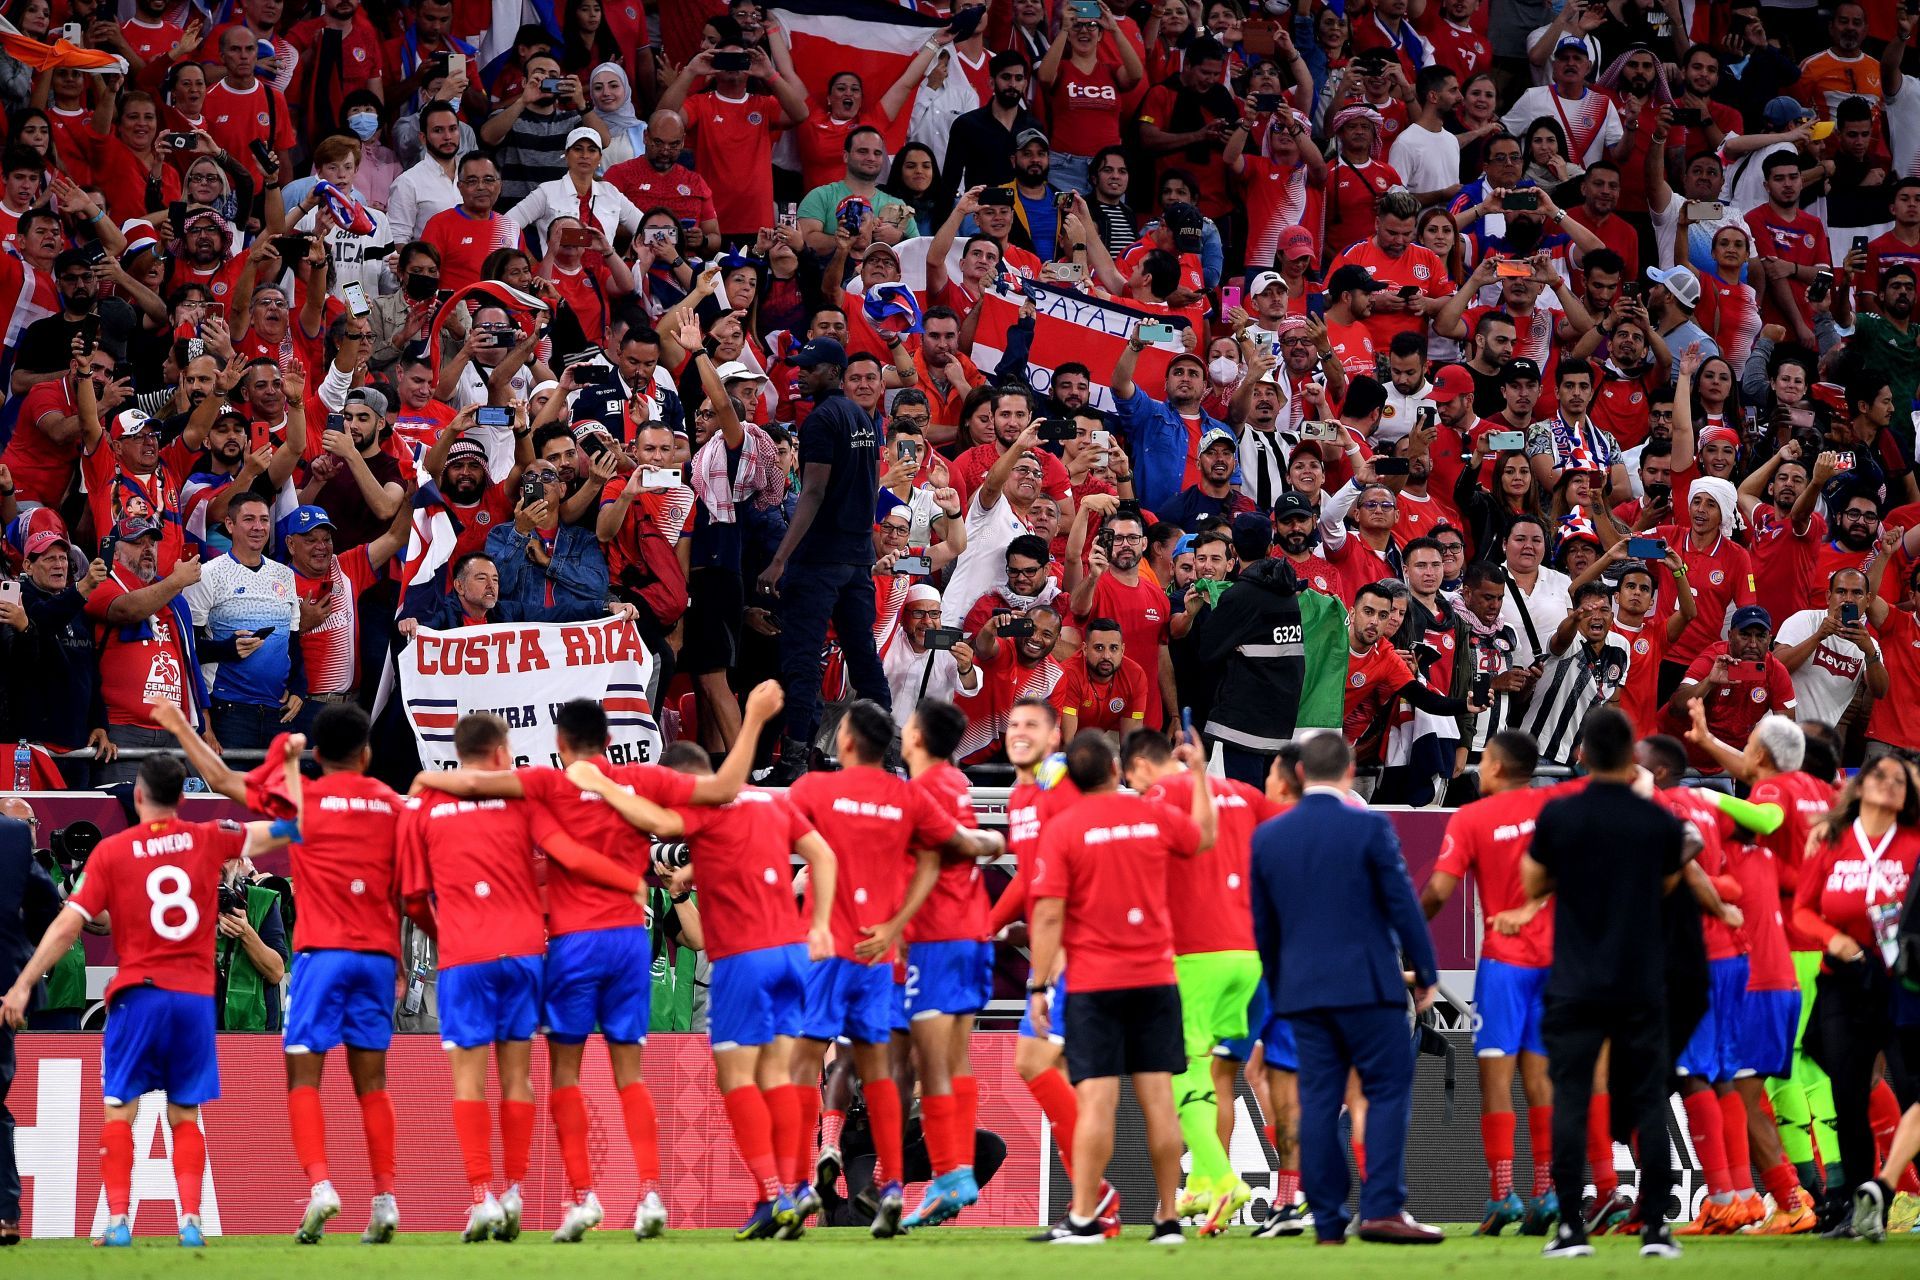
1436, 372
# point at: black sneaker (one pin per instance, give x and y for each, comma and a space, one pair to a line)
1291, 1220
1568, 1242
1870, 1201
1167, 1231
1657, 1242
1066, 1231
795, 760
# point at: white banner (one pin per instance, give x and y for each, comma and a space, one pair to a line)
523, 672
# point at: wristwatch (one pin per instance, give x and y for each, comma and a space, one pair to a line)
1035, 988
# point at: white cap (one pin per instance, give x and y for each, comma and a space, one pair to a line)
584, 133
736, 369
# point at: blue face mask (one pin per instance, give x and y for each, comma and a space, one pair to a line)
364, 124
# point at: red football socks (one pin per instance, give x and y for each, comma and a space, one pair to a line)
883, 1115
753, 1135
116, 1165
1600, 1145
476, 1150
1781, 1183
189, 1164
1709, 1142
309, 1126
1496, 1136
783, 1113
1540, 1138
966, 1118
1733, 1129
1062, 1109
516, 1139
1360, 1157
377, 1118
936, 1118
643, 1133
569, 1107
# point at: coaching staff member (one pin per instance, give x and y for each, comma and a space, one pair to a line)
1609, 858
1100, 888
830, 546
1333, 910
28, 904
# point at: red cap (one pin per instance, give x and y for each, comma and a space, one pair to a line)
1454, 381
1297, 242
42, 542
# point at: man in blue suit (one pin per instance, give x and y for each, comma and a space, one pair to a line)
1333, 910
28, 904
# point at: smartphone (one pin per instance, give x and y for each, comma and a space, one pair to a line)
581, 237
1384, 466
939, 637
1514, 269
550, 85
1101, 437
291, 248
1085, 10
176, 216
909, 449
355, 294
336, 422
1506, 441
1409, 292
1186, 721
1062, 273
1016, 625
997, 196
532, 490
72, 32
180, 141
259, 436
1688, 117
1153, 331
1821, 286
1482, 687
10, 591
262, 154
1756, 669
439, 66
89, 335
1527, 198
916, 567
1325, 432
1229, 298
1267, 103
1843, 461
1859, 246
1058, 430
732, 61
1633, 290
1429, 414
494, 415
264, 632
789, 218
1703, 211
1849, 614
661, 235
107, 545
1650, 549
1658, 494
659, 477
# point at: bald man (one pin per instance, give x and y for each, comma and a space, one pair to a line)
658, 179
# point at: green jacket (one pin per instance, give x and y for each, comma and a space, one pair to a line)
67, 980
243, 1005
1895, 356
673, 973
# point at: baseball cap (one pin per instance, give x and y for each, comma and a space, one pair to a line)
369, 397
305, 520
1292, 504
818, 352
735, 370
1572, 42
1027, 135
1263, 282
1181, 216
1296, 242
1351, 277
1782, 112
1213, 436
583, 133
1453, 382
466, 448
131, 422
1680, 282
42, 542
1519, 369
136, 526
1750, 615
1187, 355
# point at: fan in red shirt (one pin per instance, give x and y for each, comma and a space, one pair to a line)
1116, 585
657, 180
1283, 184
599, 944
1101, 688
241, 109
1718, 568
1396, 265
159, 881
732, 131
1359, 177
467, 234
1648, 637
1739, 679
1376, 673
1784, 232
467, 877
1489, 838
1896, 718
1100, 890
1455, 32
1786, 534
873, 821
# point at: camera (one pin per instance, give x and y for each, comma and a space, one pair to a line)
233, 897
73, 844
672, 853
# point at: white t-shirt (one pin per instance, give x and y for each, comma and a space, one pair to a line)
982, 567
1426, 159
1826, 682
1549, 603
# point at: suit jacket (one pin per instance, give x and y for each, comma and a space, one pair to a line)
28, 899
1333, 909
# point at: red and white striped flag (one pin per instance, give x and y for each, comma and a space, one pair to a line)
873, 39
1071, 326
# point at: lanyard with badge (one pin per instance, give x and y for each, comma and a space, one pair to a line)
1884, 916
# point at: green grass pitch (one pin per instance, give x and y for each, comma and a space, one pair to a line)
948, 1253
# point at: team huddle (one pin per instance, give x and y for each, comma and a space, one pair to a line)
883, 944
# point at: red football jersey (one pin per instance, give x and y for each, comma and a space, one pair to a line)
1803, 799
1843, 880
1117, 706
574, 904
871, 819
1489, 838
1721, 575
1763, 926
1211, 895
345, 866
1716, 830
161, 882
1373, 678
1783, 575
741, 863
956, 910
476, 858
1108, 859
1028, 808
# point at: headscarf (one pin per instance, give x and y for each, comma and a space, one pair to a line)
622, 117
1723, 496
1347, 115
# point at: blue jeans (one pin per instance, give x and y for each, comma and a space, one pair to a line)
245, 726
1069, 172
811, 595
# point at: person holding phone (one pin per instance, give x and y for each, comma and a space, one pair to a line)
529, 133
732, 130
241, 109
1739, 679
586, 200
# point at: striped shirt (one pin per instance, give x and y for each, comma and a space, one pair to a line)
533, 151
1573, 684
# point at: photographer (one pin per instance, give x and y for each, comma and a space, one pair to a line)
250, 951
543, 561
28, 904
923, 659
64, 998
679, 947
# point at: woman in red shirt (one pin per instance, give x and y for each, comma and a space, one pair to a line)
133, 174
1850, 895
1084, 93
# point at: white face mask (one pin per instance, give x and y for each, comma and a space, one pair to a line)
1224, 370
